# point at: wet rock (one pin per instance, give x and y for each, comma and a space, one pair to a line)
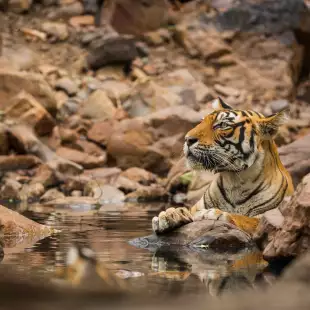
293, 236
98, 106
117, 50
217, 236
24, 108
100, 132
51, 194
17, 162
104, 193
67, 85
85, 160
279, 105
295, 157
31, 192
12, 82
44, 175
10, 189
4, 142
16, 226
69, 201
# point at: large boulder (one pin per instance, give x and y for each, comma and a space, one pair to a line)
238, 46
292, 238
296, 158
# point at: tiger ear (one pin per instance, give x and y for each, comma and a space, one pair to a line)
219, 104
268, 126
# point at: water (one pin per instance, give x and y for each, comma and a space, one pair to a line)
108, 229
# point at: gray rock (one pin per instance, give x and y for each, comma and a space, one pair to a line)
67, 85
278, 105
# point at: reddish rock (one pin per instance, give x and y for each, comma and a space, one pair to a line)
140, 176
296, 158
12, 82
15, 227
293, 236
24, 108
85, 160
16, 162
100, 132
44, 175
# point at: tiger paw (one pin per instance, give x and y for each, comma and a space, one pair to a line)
171, 219
213, 214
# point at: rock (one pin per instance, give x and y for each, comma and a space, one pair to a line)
51, 194
100, 132
19, 6
293, 236
72, 9
117, 91
90, 148
21, 58
103, 193
44, 175
56, 31
154, 192
107, 174
295, 157
17, 162
24, 108
213, 235
98, 106
140, 176
10, 190
83, 20
132, 17
67, 85
31, 192
279, 105
142, 141
117, 50
15, 226
85, 160
69, 201
4, 141
234, 62
12, 82
270, 222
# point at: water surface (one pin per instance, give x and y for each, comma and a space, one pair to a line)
107, 230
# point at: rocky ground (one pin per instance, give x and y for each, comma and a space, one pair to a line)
96, 112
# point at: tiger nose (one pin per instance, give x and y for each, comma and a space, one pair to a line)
190, 141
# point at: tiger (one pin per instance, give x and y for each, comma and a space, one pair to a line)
239, 147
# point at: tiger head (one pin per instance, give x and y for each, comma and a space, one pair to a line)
229, 140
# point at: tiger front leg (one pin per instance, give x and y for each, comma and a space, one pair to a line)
171, 219
245, 223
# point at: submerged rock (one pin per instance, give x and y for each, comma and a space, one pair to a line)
207, 234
